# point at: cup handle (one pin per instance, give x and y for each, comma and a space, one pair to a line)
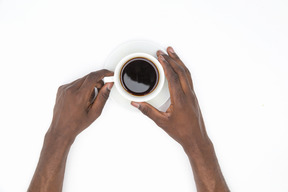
108, 79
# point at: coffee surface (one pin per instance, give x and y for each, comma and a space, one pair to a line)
139, 76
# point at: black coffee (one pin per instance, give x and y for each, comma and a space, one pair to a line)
139, 76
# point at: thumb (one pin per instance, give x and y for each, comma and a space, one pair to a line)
149, 111
101, 99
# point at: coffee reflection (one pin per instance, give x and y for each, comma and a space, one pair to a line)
139, 76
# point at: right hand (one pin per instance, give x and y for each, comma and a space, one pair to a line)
183, 120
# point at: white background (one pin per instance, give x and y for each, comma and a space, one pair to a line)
235, 50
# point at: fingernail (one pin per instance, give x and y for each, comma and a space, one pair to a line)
137, 105
109, 87
161, 52
171, 50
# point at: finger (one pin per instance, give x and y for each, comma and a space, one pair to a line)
180, 72
174, 56
101, 98
174, 84
67, 86
75, 82
159, 52
93, 96
99, 84
150, 111
96, 90
93, 80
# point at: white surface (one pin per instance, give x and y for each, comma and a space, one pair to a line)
237, 54
119, 55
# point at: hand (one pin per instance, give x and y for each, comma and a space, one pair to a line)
76, 106
75, 109
183, 120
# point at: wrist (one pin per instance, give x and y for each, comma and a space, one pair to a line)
197, 146
206, 169
53, 136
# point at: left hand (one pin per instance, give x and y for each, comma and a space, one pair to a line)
76, 108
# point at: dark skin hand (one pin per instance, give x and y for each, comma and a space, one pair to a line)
183, 121
75, 109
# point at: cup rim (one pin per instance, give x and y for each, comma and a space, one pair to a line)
130, 96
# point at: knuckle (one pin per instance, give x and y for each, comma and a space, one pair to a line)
103, 71
68, 90
98, 113
60, 89
175, 56
175, 77
188, 72
161, 122
93, 114
169, 60
166, 57
99, 73
92, 75
105, 95
145, 110
178, 60
181, 70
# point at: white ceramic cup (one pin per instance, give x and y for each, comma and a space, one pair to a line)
117, 78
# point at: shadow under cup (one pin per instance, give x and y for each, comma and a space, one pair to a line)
139, 76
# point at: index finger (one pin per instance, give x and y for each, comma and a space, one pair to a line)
93, 79
174, 56
175, 88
